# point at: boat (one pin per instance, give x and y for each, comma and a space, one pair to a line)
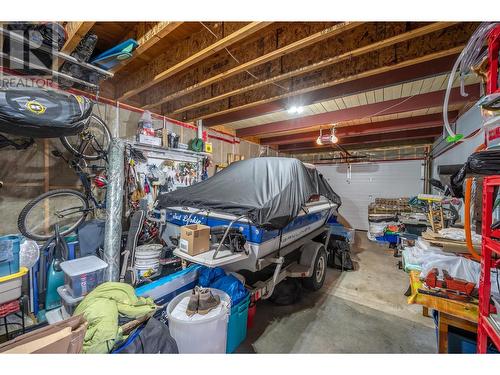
264, 204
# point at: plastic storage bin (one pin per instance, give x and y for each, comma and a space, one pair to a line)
200, 336
83, 275
10, 286
9, 255
237, 326
69, 303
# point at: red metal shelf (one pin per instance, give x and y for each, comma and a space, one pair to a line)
486, 331
492, 332
492, 245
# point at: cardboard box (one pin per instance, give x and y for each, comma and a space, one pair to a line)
195, 239
63, 337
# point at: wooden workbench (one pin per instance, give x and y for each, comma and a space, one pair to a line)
453, 313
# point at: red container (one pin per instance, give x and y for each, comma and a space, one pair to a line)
252, 309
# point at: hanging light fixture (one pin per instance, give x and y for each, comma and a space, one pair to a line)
333, 137
319, 141
326, 139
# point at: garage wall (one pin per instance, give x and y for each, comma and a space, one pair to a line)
444, 154
29, 173
367, 181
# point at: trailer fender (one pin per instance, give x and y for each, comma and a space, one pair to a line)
309, 252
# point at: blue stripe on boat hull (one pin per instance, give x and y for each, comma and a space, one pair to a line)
251, 232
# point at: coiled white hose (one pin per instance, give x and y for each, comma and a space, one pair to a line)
472, 54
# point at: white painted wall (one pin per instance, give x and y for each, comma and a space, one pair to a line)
367, 181
466, 124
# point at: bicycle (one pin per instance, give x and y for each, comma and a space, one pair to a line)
69, 208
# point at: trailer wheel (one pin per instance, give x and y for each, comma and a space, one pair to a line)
315, 282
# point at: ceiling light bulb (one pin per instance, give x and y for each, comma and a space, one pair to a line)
292, 109
333, 138
300, 109
319, 141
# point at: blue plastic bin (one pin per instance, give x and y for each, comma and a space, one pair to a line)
391, 238
9, 254
237, 326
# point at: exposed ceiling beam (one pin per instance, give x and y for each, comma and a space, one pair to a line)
398, 75
390, 126
234, 37
373, 146
148, 40
365, 140
75, 31
431, 46
412, 103
305, 69
292, 47
319, 86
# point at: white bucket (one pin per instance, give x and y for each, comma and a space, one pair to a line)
147, 258
200, 333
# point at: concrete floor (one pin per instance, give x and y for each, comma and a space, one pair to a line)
363, 311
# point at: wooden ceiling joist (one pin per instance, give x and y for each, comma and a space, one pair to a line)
220, 44
305, 69
418, 142
405, 74
425, 48
149, 39
292, 47
349, 78
366, 140
367, 128
388, 107
75, 32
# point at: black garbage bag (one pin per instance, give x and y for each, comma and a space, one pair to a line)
153, 338
484, 163
287, 292
339, 254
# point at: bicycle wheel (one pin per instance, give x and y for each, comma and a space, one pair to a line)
65, 207
92, 143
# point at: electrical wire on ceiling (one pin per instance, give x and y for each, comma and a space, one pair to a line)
237, 61
472, 54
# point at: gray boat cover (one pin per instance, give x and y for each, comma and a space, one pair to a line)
270, 191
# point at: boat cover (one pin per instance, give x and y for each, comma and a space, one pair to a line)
270, 191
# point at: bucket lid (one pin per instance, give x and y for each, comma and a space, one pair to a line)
147, 248
83, 265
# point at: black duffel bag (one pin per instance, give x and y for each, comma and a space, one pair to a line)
42, 113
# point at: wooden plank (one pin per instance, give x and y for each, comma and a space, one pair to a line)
321, 64
149, 39
292, 47
232, 38
76, 31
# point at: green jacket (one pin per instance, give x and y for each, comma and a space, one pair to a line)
102, 307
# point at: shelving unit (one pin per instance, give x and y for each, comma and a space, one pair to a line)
14, 37
488, 328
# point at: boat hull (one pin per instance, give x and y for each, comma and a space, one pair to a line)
260, 242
